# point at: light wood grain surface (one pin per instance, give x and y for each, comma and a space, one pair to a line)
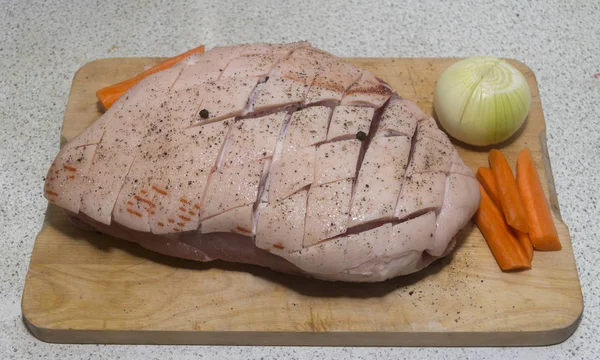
83, 287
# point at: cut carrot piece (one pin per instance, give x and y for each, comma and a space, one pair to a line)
504, 245
525, 242
110, 94
486, 179
542, 230
508, 192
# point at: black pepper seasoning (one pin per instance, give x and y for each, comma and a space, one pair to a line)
361, 136
204, 114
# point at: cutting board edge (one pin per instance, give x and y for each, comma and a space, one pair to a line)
286, 338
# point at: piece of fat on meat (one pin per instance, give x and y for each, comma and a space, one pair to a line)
430, 156
118, 148
400, 247
459, 167
253, 139
336, 161
238, 220
291, 79
366, 245
180, 109
136, 198
421, 192
307, 127
398, 119
412, 107
220, 99
428, 128
324, 258
367, 91
252, 65
93, 133
456, 210
232, 187
416, 234
66, 178
279, 92
277, 49
332, 84
182, 167
327, 211
291, 172
348, 121
165, 135
208, 66
280, 226
379, 180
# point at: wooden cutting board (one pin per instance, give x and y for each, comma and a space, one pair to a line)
83, 287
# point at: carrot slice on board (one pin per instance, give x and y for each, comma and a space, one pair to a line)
508, 192
504, 245
542, 230
525, 242
110, 94
486, 179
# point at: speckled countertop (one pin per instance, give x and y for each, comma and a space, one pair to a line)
43, 43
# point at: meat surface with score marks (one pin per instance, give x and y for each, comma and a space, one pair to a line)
282, 156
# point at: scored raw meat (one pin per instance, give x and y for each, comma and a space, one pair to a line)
282, 156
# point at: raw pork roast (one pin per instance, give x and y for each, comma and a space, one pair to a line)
282, 156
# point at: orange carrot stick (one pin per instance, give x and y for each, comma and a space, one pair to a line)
508, 192
525, 242
110, 94
541, 230
504, 246
486, 179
